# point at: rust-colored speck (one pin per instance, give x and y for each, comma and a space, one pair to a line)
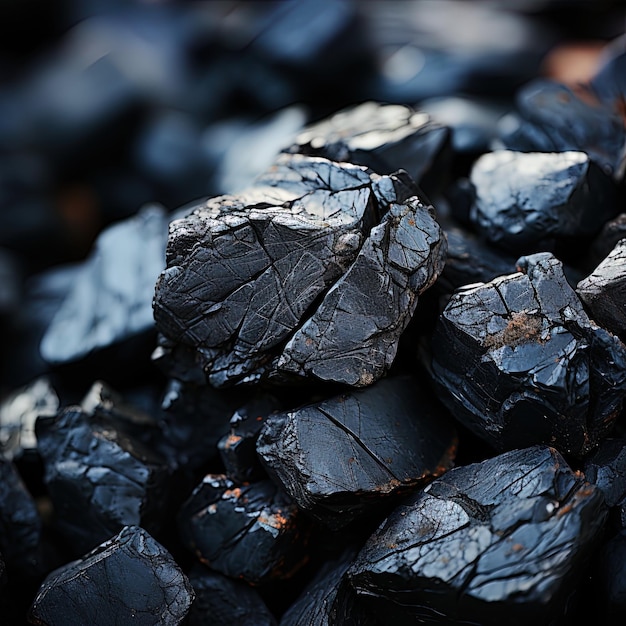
517, 547
232, 493
232, 440
275, 520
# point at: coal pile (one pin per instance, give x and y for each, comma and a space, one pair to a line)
312, 313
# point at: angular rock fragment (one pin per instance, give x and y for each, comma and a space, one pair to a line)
111, 298
353, 335
238, 448
224, 601
129, 579
18, 414
524, 200
245, 271
518, 361
551, 118
99, 477
340, 458
384, 137
604, 291
253, 532
610, 235
500, 541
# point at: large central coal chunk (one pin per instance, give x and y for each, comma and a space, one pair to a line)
245, 272
519, 362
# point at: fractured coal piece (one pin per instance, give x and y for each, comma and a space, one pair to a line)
99, 478
244, 270
238, 448
253, 532
526, 198
551, 118
20, 525
340, 458
604, 291
500, 541
518, 361
224, 601
385, 137
353, 335
129, 579
111, 299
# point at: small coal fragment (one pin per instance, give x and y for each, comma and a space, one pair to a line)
18, 414
238, 448
224, 601
384, 137
353, 335
551, 118
340, 458
194, 418
244, 270
328, 600
518, 361
501, 541
129, 579
111, 298
612, 582
604, 291
610, 235
523, 200
99, 477
253, 532
20, 525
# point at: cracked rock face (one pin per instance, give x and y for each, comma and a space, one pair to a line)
130, 579
245, 273
342, 457
525, 199
491, 543
519, 362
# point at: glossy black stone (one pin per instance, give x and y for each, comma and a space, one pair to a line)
518, 361
129, 579
604, 291
99, 477
222, 600
551, 118
526, 200
252, 532
341, 458
384, 137
504, 539
244, 271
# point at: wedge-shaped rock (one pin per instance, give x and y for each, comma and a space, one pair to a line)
526, 199
353, 335
253, 532
500, 541
99, 477
385, 137
130, 579
604, 291
340, 458
518, 361
245, 271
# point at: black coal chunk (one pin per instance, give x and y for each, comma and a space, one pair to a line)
99, 477
353, 335
524, 200
20, 525
604, 291
385, 137
238, 448
244, 271
504, 540
224, 601
111, 298
340, 458
253, 532
129, 579
610, 235
551, 118
518, 361
606, 468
